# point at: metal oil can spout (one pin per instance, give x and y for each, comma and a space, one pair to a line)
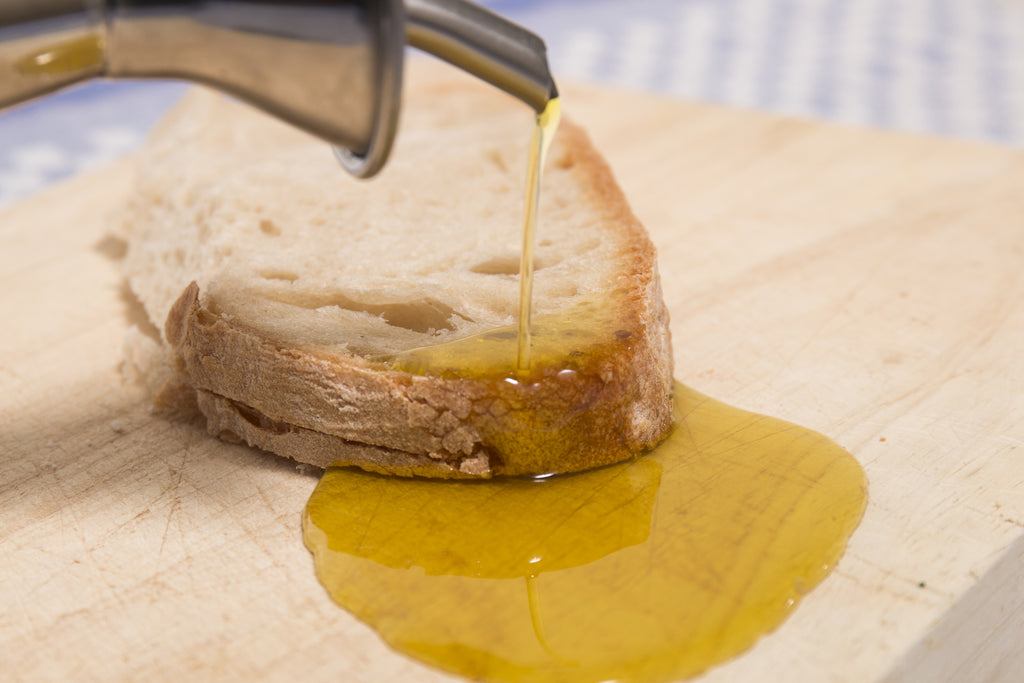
479, 42
484, 44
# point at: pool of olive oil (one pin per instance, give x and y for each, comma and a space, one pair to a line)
650, 570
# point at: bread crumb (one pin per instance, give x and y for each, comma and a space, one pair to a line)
118, 426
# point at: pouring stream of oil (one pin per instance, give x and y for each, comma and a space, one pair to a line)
647, 571
543, 132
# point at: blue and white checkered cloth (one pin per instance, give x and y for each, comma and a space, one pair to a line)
944, 67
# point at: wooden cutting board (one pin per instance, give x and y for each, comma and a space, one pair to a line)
867, 285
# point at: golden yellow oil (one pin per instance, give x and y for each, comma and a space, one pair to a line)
69, 55
543, 132
572, 339
650, 570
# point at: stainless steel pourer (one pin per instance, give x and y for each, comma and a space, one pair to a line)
330, 67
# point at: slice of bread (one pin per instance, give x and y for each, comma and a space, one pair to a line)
372, 323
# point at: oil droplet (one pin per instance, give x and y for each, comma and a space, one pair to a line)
650, 570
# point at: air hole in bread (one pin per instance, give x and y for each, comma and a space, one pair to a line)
561, 202
427, 315
565, 161
505, 265
229, 436
248, 414
113, 247
499, 265
274, 274
494, 156
269, 227
423, 315
136, 314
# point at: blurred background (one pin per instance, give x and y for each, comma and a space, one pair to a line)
943, 67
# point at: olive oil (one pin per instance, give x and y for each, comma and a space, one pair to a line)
543, 132
62, 57
570, 340
650, 570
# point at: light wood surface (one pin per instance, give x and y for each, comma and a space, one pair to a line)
867, 285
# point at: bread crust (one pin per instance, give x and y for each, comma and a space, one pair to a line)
322, 405
343, 410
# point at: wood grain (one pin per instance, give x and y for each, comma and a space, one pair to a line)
865, 285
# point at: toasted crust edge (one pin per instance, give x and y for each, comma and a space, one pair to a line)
232, 421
